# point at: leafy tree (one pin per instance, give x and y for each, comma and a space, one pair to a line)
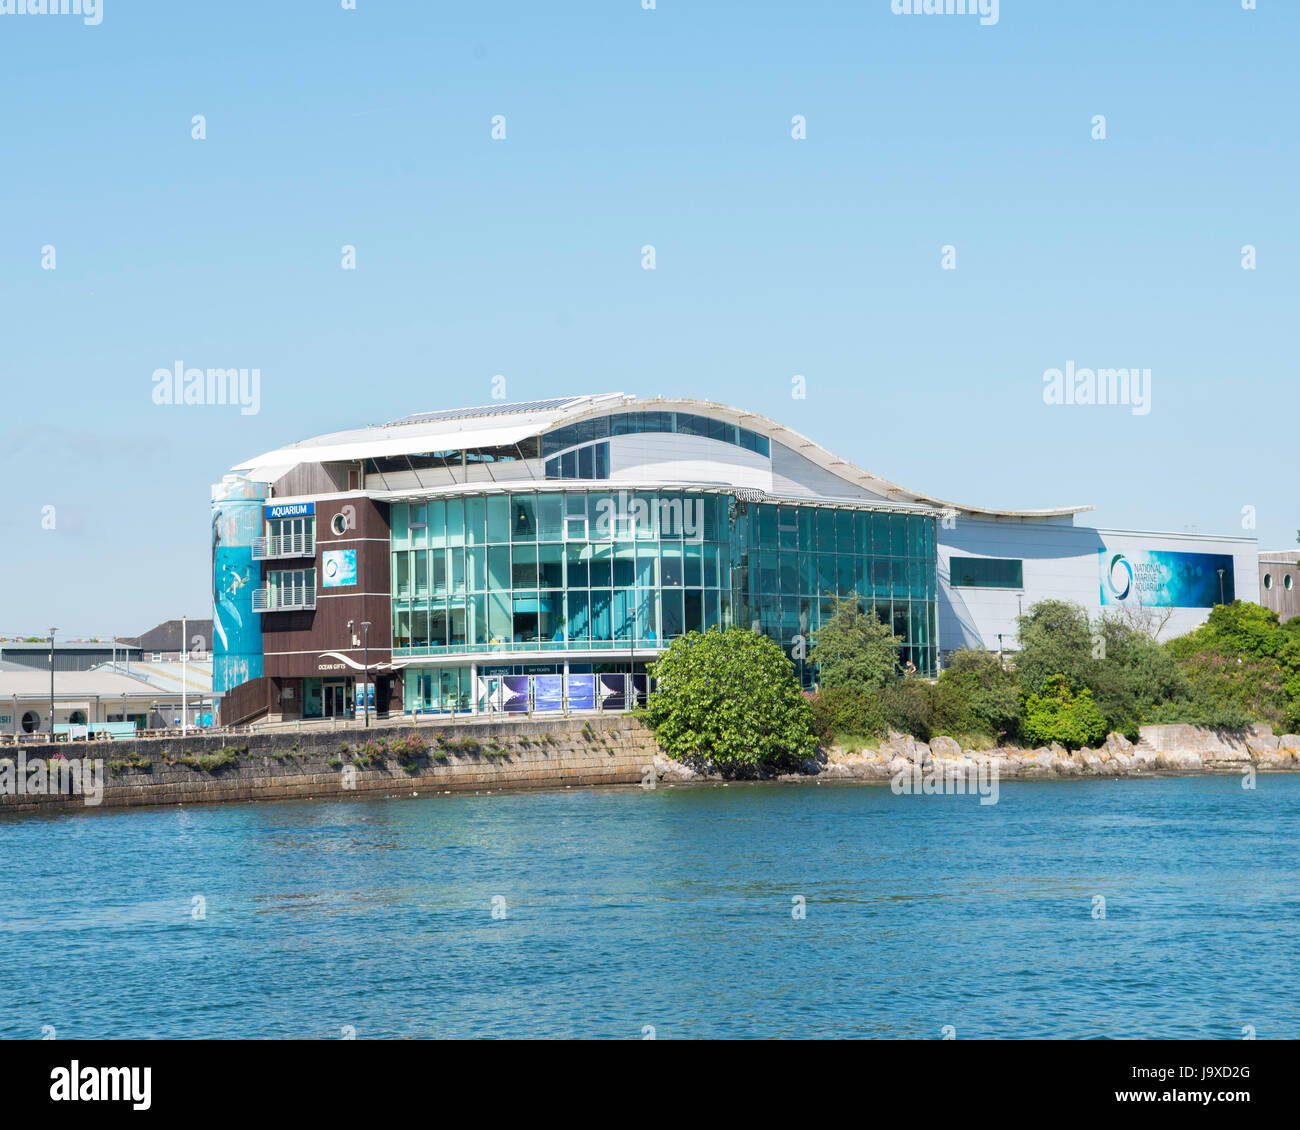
992, 692
1241, 666
853, 649
1058, 715
1055, 639
729, 697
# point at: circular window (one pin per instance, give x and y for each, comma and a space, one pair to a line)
77, 717
339, 524
31, 722
1286, 582
1268, 580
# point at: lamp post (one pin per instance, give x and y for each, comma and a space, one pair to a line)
52, 631
999, 649
1220, 572
365, 689
185, 702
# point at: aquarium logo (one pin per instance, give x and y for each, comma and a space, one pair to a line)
1126, 575
933, 779
60, 776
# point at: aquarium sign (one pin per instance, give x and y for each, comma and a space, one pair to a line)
290, 509
1158, 578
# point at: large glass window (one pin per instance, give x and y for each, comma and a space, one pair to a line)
986, 573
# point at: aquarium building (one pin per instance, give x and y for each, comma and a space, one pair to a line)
535, 556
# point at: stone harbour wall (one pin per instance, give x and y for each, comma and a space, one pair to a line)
473, 757
559, 752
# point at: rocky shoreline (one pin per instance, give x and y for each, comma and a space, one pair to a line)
1170, 750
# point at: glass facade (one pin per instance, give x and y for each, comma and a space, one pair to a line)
596, 570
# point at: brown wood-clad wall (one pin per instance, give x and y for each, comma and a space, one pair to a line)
293, 642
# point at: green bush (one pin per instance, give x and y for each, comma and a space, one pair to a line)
846, 711
729, 697
991, 694
1059, 715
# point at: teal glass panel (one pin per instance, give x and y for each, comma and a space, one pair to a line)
579, 629
523, 572
600, 615
550, 563
844, 531
523, 517
498, 568
399, 518
437, 524
550, 517
498, 518
670, 604
475, 509
455, 521
647, 566
578, 558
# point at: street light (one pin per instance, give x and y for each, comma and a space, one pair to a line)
365, 689
185, 651
52, 631
1220, 572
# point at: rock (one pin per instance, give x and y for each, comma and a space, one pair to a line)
1118, 743
1289, 741
666, 769
945, 747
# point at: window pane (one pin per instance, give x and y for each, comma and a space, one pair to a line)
550, 562
498, 518
498, 564
523, 517
986, 572
578, 557
455, 521
523, 573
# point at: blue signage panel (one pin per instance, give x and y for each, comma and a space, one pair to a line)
338, 568
1158, 578
290, 509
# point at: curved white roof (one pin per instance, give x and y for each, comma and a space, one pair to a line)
503, 423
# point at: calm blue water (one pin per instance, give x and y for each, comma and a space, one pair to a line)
670, 908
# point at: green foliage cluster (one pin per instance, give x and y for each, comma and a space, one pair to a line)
1060, 715
1238, 668
854, 648
729, 697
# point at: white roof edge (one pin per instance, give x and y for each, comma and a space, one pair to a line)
410, 438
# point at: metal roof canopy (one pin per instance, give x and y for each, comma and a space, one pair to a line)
475, 427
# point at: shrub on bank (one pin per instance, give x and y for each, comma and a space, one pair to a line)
730, 698
1063, 716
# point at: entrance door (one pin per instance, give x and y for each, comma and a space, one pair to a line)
335, 701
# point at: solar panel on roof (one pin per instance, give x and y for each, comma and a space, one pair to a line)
489, 410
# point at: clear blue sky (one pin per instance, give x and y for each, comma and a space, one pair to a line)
522, 257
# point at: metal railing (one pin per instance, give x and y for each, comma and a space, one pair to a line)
284, 545
284, 598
